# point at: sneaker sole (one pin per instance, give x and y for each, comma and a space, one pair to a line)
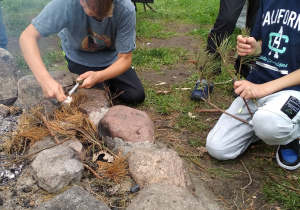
290, 168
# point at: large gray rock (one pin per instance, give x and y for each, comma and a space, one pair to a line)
8, 79
96, 105
129, 124
74, 198
47, 142
165, 197
117, 144
30, 92
56, 168
148, 166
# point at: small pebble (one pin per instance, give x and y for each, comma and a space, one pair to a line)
135, 188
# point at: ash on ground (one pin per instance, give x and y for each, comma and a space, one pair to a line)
8, 170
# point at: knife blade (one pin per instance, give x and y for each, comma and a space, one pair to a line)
75, 87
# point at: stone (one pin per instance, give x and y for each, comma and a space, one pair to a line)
56, 168
128, 124
116, 144
30, 92
6, 56
77, 147
148, 166
8, 79
4, 111
75, 198
73, 143
96, 106
165, 196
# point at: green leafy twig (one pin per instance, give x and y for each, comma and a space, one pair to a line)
223, 51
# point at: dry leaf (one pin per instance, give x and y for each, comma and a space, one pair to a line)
183, 88
202, 151
109, 158
161, 83
163, 92
190, 114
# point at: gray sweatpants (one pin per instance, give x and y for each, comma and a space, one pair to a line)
275, 121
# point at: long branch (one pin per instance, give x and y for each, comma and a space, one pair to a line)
233, 79
244, 121
49, 129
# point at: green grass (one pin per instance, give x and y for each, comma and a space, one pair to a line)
53, 60
189, 11
17, 14
155, 58
281, 186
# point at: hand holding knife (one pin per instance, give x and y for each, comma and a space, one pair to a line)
69, 98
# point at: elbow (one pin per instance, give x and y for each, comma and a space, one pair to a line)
30, 34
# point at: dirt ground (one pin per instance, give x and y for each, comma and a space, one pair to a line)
238, 190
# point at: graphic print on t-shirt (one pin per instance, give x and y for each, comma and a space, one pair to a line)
276, 46
95, 42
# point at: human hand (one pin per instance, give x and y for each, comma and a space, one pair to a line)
246, 45
248, 90
53, 89
90, 78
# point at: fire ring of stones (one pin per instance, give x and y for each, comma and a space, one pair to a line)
154, 176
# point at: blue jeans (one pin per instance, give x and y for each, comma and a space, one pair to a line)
3, 36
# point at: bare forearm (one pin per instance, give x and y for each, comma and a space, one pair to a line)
117, 68
31, 53
289, 80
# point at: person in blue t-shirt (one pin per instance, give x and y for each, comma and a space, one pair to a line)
98, 37
3, 35
274, 83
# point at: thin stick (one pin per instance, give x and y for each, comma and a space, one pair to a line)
265, 156
208, 110
92, 170
250, 182
49, 129
222, 83
244, 121
233, 78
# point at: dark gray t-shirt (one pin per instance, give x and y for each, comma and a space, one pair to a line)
84, 39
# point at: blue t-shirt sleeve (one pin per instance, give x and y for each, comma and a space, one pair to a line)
53, 18
125, 36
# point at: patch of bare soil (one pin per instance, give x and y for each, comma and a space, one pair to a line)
45, 44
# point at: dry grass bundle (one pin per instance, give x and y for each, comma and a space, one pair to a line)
65, 121
79, 98
68, 120
117, 170
30, 129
